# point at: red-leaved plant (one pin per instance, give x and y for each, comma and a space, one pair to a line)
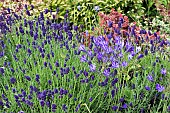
128, 30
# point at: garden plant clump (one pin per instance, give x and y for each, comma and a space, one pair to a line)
46, 66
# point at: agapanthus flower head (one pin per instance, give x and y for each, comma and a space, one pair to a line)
163, 71
83, 58
130, 56
150, 78
92, 67
106, 72
159, 88
124, 63
115, 64
82, 48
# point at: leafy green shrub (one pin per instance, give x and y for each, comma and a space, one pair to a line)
85, 11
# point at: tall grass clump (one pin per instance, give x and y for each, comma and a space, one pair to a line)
47, 67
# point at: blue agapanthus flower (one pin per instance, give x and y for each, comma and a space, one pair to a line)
159, 88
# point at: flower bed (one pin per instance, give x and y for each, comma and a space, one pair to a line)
45, 67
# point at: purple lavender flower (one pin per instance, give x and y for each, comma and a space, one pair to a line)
113, 93
140, 56
114, 108
28, 78
49, 82
32, 7
147, 88
109, 36
77, 108
1, 103
114, 81
163, 71
159, 88
124, 106
64, 107
12, 80
48, 104
110, 23
122, 100
54, 107
29, 51
2, 70
45, 64
168, 108
90, 99
99, 56
56, 64
28, 12
46, 11
105, 94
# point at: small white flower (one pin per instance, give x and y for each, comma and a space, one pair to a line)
96, 8
79, 7
138, 49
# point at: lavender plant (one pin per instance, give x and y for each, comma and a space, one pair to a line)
46, 68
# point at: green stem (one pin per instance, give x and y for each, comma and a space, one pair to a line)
86, 107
